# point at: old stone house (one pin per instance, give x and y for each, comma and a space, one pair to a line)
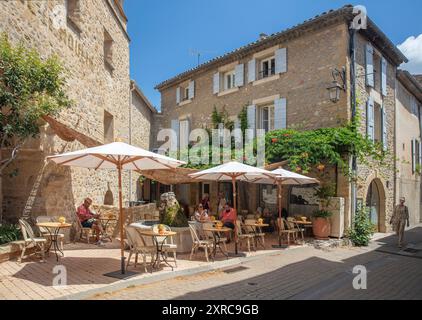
91, 39
282, 80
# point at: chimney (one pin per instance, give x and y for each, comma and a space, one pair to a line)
263, 36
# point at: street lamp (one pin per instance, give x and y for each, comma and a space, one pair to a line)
336, 87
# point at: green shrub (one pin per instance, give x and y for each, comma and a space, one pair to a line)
362, 230
322, 214
9, 233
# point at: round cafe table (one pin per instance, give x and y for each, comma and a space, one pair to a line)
104, 224
159, 245
216, 239
53, 229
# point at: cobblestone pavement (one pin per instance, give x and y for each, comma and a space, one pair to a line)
305, 273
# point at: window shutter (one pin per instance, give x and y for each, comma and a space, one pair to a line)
239, 75
184, 134
191, 89
237, 123
175, 127
369, 55
384, 128
370, 119
251, 113
280, 114
251, 70
383, 76
420, 153
281, 60
413, 156
216, 83
177, 95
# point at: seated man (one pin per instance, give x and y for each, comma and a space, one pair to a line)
88, 219
228, 216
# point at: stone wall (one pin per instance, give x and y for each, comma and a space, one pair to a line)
310, 59
43, 188
408, 183
382, 175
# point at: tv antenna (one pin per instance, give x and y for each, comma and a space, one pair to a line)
198, 53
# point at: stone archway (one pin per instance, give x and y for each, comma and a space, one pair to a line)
375, 200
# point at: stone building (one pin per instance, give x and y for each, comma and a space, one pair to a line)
408, 143
282, 80
91, 39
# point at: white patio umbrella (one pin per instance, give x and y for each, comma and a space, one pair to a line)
285, 177
233, 171
120, 156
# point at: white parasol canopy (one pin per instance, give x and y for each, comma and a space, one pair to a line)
120, 156
233, 171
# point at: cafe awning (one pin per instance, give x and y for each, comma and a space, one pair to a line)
68, 134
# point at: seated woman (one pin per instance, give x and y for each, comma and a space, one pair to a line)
201, 215
258, 213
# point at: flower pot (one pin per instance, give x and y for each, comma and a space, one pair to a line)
321, 228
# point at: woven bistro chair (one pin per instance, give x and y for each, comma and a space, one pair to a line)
168, 245
30, 241
283, 230
244, 237
198, 243
255, 230
138, 246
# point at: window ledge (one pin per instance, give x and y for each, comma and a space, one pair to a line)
268, 79
185, 102
108, 66
226, 92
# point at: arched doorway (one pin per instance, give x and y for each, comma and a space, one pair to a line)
375, 203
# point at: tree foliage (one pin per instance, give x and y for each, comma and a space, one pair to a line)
30, 88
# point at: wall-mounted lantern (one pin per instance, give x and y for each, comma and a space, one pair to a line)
338, 84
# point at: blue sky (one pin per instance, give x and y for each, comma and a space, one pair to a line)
164, 33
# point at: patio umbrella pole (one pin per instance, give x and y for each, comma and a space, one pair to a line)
279, 187
122, 244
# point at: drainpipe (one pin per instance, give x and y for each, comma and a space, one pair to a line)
353, 105
131, 89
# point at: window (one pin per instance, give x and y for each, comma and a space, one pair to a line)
108, 127
377, 72
108, 51
267, 67
377, 123
73, 14
266, 118
186, 93
229, 80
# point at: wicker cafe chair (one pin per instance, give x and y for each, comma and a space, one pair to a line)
198, 243
293, 225
244, 237
46, 234
137, 246
256, 231
30, 241
283, 230
168, 245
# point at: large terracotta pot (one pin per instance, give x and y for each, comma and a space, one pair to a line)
321, 228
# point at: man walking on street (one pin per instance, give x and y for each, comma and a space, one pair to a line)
399, 220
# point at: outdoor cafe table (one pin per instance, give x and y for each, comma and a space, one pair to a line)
306, 224
216, 239
53, 229
159, 245
104, 223
256, 228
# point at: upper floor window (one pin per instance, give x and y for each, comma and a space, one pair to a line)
229, 80
73, 14
376, 69
108, 51
108, 127
185, 92
267, 67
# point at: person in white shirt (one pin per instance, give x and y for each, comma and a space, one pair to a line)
201, 214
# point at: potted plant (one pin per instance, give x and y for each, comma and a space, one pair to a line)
321, 225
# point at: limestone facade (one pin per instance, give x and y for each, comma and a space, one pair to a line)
93, 44
314, 49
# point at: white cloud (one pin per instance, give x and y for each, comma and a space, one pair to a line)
412, 49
